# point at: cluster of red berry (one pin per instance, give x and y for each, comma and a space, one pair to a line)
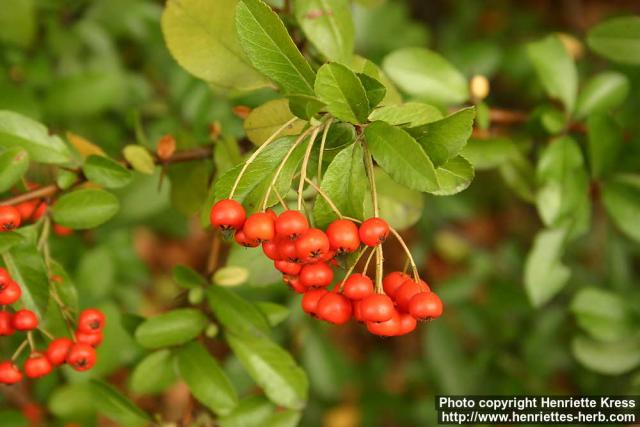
79, 353
306, 255
11, 217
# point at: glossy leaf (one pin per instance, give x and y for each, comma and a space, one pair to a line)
111, 403
171, 328
621, 197
153, 374
14, 163
411, 114
544, 274
26, 266
270, 49
617, 39
105, 171
603, 92
607, 358
206, 379
373, 88
236, 314
342, 92
87, 208
266, 119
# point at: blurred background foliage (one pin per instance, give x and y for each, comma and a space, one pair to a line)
100, 69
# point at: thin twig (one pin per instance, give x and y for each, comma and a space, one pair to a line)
322, 144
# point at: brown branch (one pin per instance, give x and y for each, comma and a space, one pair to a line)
52, 189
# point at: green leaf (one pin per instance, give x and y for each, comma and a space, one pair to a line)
259, 267
400, 206
153, 374
373, 88
605, 357
27, 268
236, 314
270, 49
556, 69
206, 379
189, 186
488, 153
72, 400
345, 182
265, 120
305, 106
9, 240
342, 92
230, 276
171, 328
21, 131
411, 114
87, 208
364, 66
188, 278
260, 173
605, 315
14, 163
65, 287
111, 403
273, 369
105, 171
18, 23
401, 157
253, 411
275, 313
444, 139
602, 93
454, 176
328, 25
519, 175
621, 197
201, 35
427, 75
544, 274
139, 158
617, 39
604, 144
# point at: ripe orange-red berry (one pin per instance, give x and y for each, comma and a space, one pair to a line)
343, 236
9, 218
227, 214
291, 224
373, 231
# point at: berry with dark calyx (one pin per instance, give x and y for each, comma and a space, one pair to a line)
9, 373
392, 282
94, 339
58, 350
294, 283
241, 238
291, 224
388, 328
404, 294
334, 308
10, 292
270, 249
227, 214
373, 231
286, 267
310, 300
287, 250
9, 218
425, 305
25, 320
312, 245
377, 308
6, 324
343, 236
26, 209
91, 320
37, 365
357, 286
407, 324
259, 227
316, 275
81, 357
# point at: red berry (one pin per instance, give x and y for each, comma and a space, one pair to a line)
294, 283
316, 275
377, 308
334, 308
40, 211
286, 267
227, 214
393, 281
272, 214
37, 366
6, 324
270, 250
25, 320
389, 328
26, 209
62, 231
259, 227
291, 224
4, 276
404, 294
10, 292
312, 245
357, 286
90, 321
81, 357
94, 339
357, 310
241, 238
9, 218
287, 250
58, 350
343, 236
373, 231
310, 300
9, 373
407, 324
425, 305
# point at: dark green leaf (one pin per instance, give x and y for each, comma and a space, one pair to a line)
153, 374
411, 114
607, 358
605, 315
26, 267
342, 92
345, 182
206, 379
365, 66
544, 274
519, 174
87, 208
187, 278
556, 69
14, 162
602, 93
374, 89
305, 106
236, 314
617, 39
9, 240
111, 403
105, 171
604, 143
65, 288
270, 49
263, 121
172, 328
621, 197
